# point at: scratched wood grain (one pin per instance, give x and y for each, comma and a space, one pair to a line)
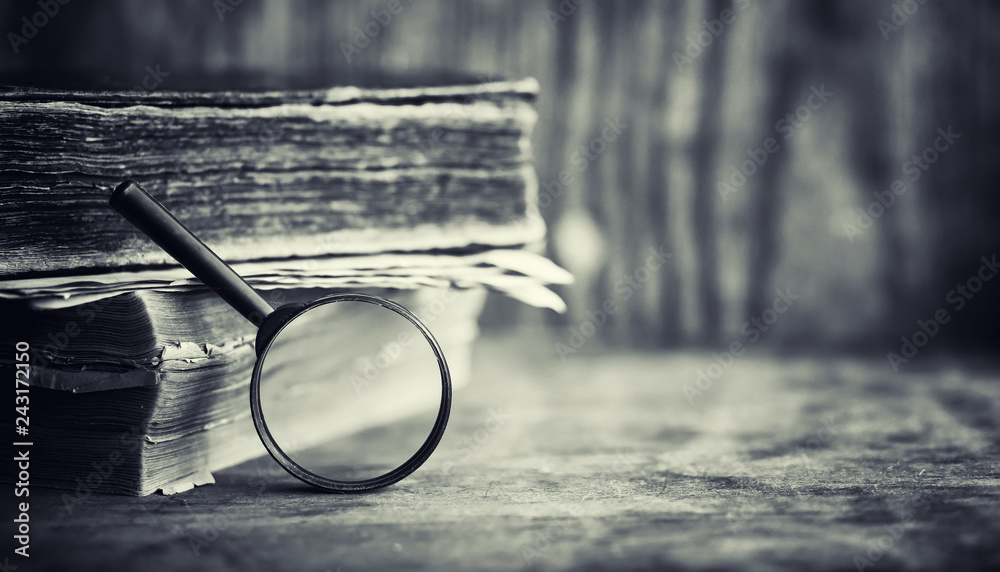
602, 463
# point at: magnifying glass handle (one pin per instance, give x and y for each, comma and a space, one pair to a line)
149, 216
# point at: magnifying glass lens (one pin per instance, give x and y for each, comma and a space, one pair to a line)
350, 390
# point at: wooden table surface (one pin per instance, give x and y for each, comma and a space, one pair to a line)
603, 463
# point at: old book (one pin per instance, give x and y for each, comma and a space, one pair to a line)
152, 369
425, 194
149, 391
272, 174
517, 272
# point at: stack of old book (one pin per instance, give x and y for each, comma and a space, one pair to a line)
422, 194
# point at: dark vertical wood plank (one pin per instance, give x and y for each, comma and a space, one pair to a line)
665, 21
613, 189
647, 82
704, 156
681, 122
581, 97
767, 193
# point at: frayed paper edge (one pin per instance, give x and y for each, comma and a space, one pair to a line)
198, 479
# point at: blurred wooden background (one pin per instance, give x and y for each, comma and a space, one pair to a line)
688, 124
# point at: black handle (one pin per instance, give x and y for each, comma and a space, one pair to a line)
149, 216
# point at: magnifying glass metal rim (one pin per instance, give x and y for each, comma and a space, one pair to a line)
155, 221
365, 485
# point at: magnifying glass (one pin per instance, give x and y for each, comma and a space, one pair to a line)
332, 365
